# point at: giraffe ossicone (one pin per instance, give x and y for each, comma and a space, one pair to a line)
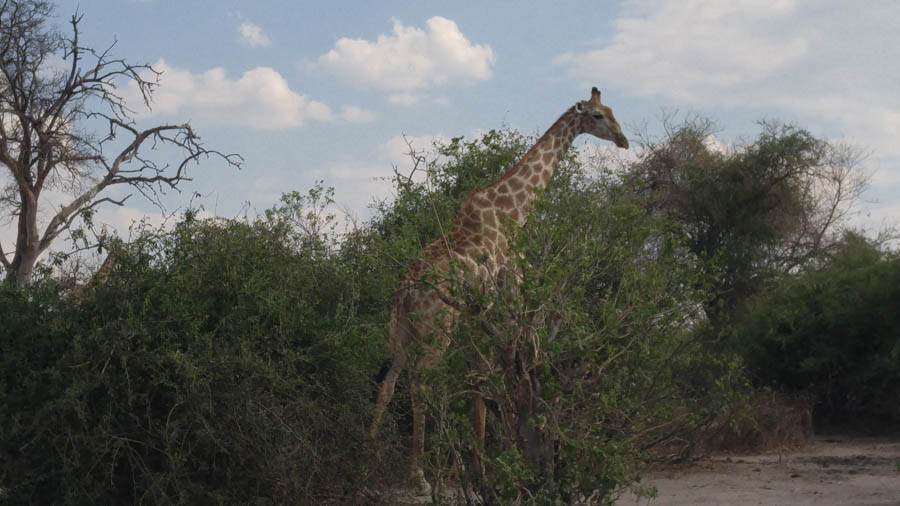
423, 314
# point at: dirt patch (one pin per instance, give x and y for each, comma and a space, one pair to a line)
829, 471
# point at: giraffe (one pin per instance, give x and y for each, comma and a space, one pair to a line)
477, 245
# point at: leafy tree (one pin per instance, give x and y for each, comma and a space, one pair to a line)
65, 126
753, 213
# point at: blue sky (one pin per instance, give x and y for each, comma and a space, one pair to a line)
308, 91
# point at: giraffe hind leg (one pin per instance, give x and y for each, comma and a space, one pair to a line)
417, 475
399, 339
385, 393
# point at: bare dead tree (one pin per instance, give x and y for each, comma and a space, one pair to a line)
68, 127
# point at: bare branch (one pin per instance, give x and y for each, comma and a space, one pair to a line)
6, 263
44, 140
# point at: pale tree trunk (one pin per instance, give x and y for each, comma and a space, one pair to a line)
21, 272
28, 243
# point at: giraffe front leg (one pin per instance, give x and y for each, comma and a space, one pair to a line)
417, 475
479, 415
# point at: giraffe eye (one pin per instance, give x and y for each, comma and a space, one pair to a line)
597, 116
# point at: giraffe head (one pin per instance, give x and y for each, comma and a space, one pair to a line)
596, 119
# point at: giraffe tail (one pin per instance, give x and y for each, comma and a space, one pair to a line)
382, 373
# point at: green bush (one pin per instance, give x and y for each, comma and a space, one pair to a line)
834, 332
221, 363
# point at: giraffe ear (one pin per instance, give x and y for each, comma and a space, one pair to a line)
595, 95
579, 107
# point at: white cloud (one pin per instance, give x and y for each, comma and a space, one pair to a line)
396, 149
605, 155
875, 217
827, 60
404, 99
259, 98
121, 218
253, 35
687, 49
715, 145
318, 111
355, 114
410, 58
884, 171
357, 183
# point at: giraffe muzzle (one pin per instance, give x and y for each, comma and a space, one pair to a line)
621, 141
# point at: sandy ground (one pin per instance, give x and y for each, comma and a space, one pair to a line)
833, 470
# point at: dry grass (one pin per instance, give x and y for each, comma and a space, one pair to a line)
777, 422
773, 422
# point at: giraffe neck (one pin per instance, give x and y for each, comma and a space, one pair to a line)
482, 228
515, 190
536, 168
